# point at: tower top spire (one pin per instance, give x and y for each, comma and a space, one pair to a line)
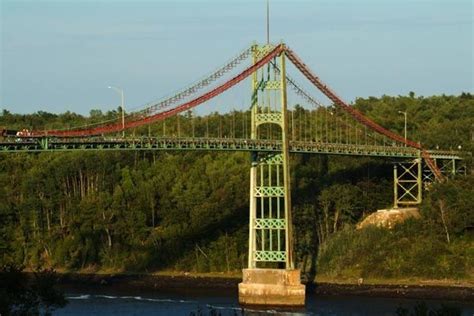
268, 21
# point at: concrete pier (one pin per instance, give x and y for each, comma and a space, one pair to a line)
275, 287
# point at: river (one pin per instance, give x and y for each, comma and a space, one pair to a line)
224, 302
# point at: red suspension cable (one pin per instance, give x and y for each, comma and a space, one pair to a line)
358, 115
116, 127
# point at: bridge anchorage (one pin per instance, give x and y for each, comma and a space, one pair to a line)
271, 277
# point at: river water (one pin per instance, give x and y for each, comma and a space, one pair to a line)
225, 302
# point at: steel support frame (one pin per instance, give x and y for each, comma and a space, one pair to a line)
408, 183
449, 167
270, 224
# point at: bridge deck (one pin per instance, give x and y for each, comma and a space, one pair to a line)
213, 144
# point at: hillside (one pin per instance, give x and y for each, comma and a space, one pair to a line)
163, 211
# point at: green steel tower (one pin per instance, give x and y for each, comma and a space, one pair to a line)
270, 237
271, 277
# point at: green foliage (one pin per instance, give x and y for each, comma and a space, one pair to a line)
120, 211
421, 309
409, 250
450, 206
21, 296
146, 211
444, 121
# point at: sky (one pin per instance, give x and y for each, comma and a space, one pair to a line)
59, 56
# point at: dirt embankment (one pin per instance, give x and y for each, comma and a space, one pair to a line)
456, 293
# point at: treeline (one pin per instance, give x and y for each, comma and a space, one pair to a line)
138, 211
150, 211
444, 122
438, 246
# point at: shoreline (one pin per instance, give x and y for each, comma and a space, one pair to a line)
213, 282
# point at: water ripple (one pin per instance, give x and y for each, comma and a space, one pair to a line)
138, 298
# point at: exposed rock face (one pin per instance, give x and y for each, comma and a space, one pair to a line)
389, 218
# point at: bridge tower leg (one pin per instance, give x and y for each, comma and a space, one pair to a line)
271, 278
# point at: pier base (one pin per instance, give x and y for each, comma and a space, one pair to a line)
275, 287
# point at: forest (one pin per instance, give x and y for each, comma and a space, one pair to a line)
155, 211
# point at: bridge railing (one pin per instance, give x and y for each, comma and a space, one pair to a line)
234, 144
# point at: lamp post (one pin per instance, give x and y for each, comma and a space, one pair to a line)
405, 129
120, 91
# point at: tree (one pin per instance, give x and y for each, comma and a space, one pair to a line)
21, 296
450, 206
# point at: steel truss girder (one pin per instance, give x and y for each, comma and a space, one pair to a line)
273, 117
270, 223
270, 256
260, 51
212, 144
276, 159
268, 85
269, 191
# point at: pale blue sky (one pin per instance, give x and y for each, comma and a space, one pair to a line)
62, 55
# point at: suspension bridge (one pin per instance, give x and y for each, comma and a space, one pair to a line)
269, 129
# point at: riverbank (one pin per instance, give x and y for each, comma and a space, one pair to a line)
170, 281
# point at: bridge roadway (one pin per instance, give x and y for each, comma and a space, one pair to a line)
211, 144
